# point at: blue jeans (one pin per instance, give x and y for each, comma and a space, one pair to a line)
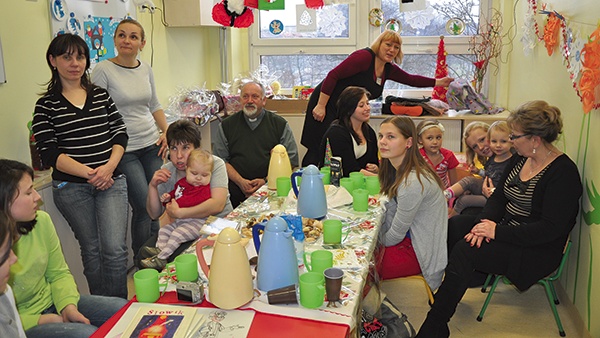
139, 167
99, 221
97, 309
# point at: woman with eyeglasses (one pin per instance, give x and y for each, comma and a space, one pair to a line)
524, 225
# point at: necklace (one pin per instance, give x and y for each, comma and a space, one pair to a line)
532, 168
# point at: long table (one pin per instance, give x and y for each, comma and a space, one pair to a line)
353, 256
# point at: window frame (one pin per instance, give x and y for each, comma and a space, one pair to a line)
359, 37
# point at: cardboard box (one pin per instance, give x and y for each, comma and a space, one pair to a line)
290, 106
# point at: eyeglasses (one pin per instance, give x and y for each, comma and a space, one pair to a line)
513, 137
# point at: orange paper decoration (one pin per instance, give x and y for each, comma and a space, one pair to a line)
551, 33
590, 74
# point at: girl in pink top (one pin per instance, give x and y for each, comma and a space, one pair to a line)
430, 133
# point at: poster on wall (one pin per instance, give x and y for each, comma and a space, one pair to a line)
94, 20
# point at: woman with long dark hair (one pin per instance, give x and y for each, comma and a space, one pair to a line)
350, 137
46, 295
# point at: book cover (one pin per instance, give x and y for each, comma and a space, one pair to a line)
336, 170
163, 322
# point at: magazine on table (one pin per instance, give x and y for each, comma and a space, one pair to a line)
157, 320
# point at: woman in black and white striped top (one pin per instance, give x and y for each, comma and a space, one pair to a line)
525, 223
80, 133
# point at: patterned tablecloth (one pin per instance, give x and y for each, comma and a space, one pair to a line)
360, 231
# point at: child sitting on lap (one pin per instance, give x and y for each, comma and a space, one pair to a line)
189, 191
481, 190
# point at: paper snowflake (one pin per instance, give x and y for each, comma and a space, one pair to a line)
529, 39
332, 22
575, 57
419, 19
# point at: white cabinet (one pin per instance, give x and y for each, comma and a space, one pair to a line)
189, 13
69, 243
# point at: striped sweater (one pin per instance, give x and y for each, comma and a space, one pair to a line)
86, 135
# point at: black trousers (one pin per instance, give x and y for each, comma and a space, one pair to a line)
464, 261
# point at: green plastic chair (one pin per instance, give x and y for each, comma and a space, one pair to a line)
547, 282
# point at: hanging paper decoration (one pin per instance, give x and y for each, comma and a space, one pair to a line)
419, 19
314, 4
332, 22
551, 33
574, 60
276, 27
232, 13
393, 25
306, 19
590, 75
376, 17
580, 56
441, 70
455, 26
271, 5
251, 3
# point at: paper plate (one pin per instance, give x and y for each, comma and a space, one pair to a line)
59, 9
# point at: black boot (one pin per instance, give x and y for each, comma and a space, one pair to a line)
458, 274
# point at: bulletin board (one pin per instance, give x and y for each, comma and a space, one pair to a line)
94, 20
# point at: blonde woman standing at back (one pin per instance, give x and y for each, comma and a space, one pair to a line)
130, 83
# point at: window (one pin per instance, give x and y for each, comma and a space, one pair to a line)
421, 30
300, 45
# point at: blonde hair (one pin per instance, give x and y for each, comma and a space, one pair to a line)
469, 129
388, 35
498, 126
201, 156
390, 178
429, 123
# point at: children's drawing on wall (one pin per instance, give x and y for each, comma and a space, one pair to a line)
94, 20
99, 34
214, 326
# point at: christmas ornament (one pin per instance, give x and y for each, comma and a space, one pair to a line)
455, 26
233, 13
441, 71
376, 17
393, 25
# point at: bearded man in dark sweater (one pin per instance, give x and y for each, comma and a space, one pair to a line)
245, 139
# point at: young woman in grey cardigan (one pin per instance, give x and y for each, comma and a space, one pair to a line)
414, 228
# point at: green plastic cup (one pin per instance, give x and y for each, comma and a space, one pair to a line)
326, 171
332, 231
372, 184
186, 268
360, 200
346, 182
284, 184
312, 289
320, 260
358, 179
147, 289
